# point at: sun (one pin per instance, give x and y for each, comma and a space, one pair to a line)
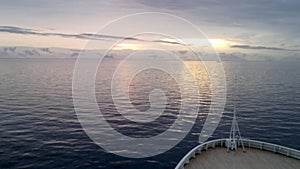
219, 43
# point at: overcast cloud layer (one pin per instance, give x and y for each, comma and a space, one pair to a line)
253, 25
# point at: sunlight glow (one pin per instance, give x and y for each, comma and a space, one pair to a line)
122, 46
216, 43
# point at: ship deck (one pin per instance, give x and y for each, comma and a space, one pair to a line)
213, 155
219, 158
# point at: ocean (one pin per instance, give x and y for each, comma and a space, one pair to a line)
39, 127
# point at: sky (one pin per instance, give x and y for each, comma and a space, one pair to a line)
257, 26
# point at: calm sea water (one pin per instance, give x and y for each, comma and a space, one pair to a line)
39, 127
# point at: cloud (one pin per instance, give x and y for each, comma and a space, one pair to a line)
26, 31
88, 36
260, 10
261, 48
13, 29
263, 20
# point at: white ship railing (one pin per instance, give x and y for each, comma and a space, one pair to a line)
247, 143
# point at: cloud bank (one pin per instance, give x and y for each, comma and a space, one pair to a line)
261, 48
86, 36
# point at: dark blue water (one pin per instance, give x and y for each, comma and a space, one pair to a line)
39, 127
